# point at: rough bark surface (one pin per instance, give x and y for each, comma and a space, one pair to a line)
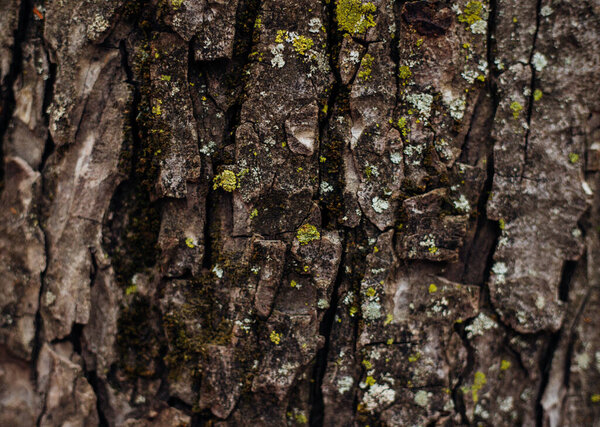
275, 212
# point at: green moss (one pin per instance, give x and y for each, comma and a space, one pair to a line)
355, 17
307, 233
366, 67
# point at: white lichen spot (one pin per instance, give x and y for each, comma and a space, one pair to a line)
98, 25
396, 158
50, 298
345, 384
422, 398
546, 11
500, 269
371, 310
462, 204
325, 187
314, 25
539, 61
479, 27
479, 325
218, 271
540, 302
586, 188
469, 75
457, 108
506, 404
354, 56
479, 410
422, 102
583, 361
378, 395
322, 304
277, 52
380, 205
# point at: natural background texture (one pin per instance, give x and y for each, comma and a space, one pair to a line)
277, 212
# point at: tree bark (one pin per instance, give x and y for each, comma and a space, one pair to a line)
275, 212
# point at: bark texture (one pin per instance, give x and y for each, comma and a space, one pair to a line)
276, 212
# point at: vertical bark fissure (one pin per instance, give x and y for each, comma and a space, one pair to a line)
7, 94
531, 87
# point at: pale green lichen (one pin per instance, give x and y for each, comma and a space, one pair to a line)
573, 158
226, 180
354, 16
307, 233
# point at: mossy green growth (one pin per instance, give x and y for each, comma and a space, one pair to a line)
354, 16
366, 67
472, 13
226, 180
516, 108
302, 44
307, 233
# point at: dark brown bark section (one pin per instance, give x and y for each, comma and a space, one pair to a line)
263, 212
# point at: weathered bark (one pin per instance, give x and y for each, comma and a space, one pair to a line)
274, 212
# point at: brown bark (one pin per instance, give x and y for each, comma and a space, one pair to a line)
272, 212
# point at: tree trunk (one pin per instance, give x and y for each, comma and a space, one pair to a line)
277, 212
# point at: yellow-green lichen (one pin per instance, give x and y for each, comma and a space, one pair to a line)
504, 365
176, 3
307, 233
275, 337
573, 158
501, 224
226, 180
354, 16
366, 67
370, 381
302, 44
595, 398
516, 109
479, 381
190, 243
472, 13
404, 72
432, 288
371, 292
537, 95
254, 213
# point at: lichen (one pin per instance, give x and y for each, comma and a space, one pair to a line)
302, 44
404, 72
537, 95
432, 288
226, 180
472, 13
573, 158
479, 381
275, 337
366, 67
516, 109
354, 16
307, 233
